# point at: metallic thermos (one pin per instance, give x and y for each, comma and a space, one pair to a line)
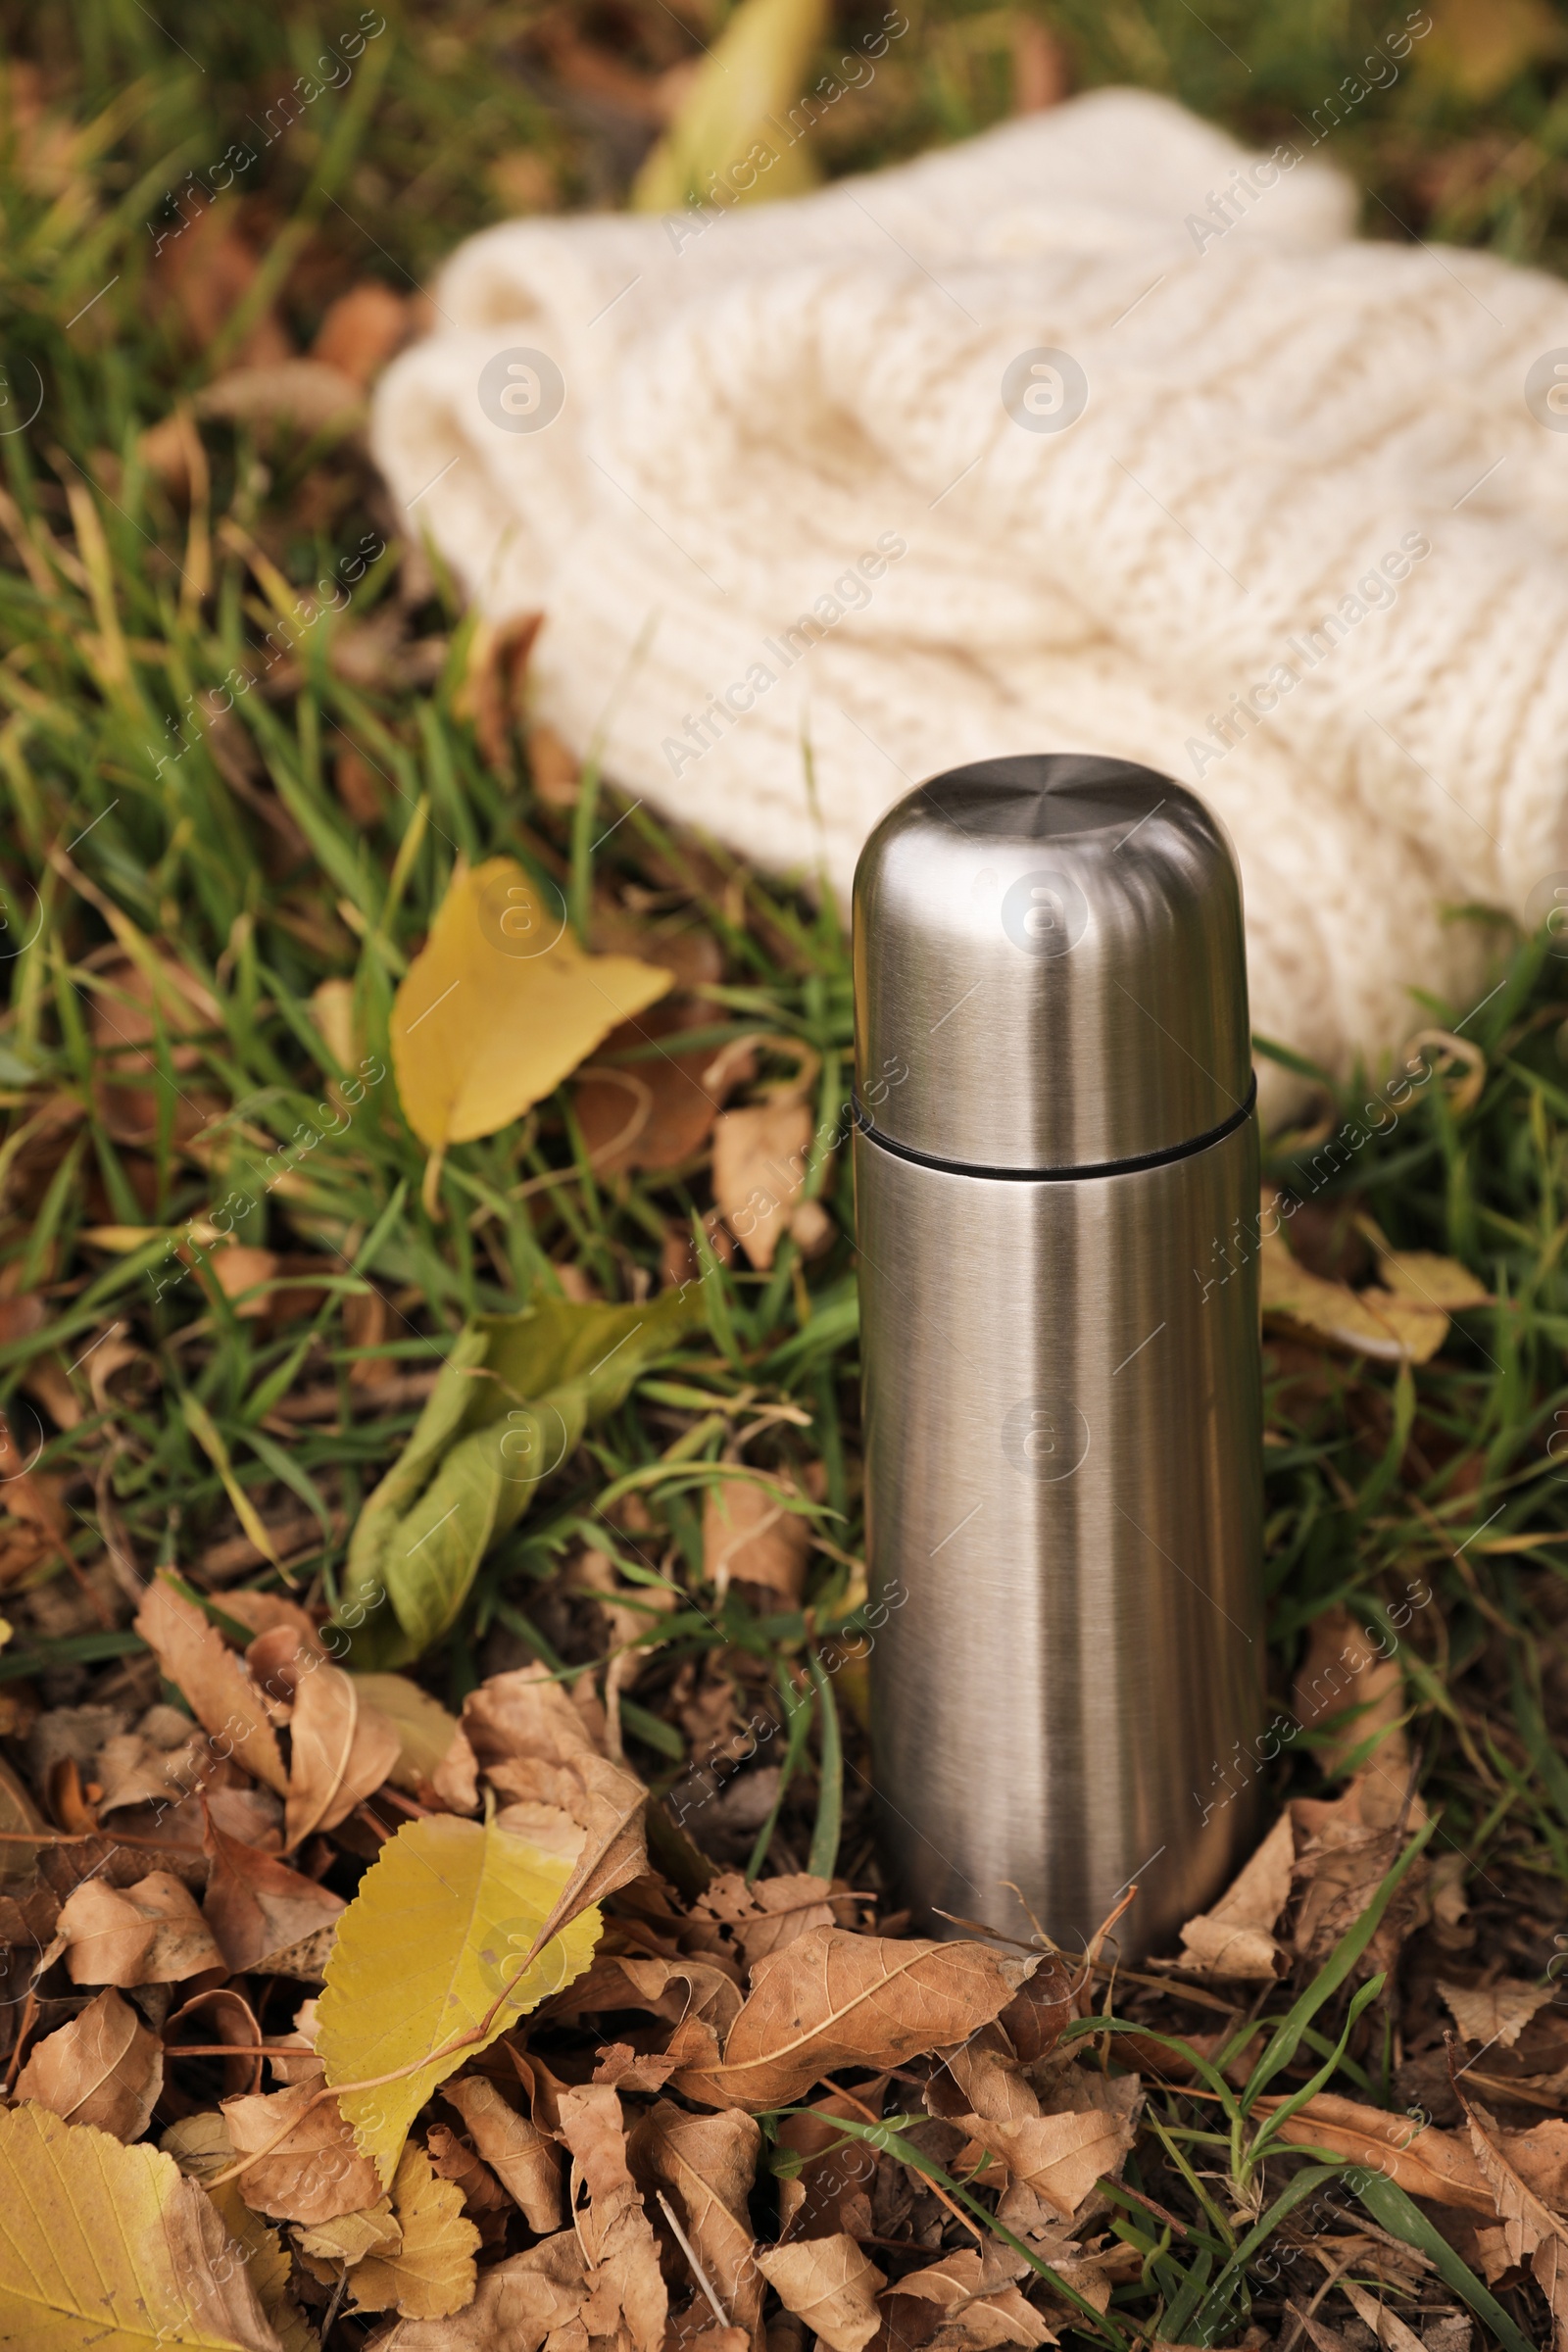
1057, 1170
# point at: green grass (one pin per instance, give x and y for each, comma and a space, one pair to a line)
127, 838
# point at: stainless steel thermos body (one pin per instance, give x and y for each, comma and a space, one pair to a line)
1055, 1155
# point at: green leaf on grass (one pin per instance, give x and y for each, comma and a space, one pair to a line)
512, 1400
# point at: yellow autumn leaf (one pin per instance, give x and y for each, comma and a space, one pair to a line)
1378, 1323
424, 1729
110, 2246
1433, 1280
500, 1005
437, 1930
739, 134
432, 2272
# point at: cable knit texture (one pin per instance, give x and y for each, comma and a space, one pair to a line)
755, 403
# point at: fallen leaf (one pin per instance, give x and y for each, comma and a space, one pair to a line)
512, 1401
1495, 2013
107, 2245
341, 1750
1387, 1325
760, 1158
752, 73
701, 2002
1478, 47
375, 2229
977, 2301
1345, 1682
216, 1686
201, 2147
361, 330
625, 2286
524, 2162
1061, 2155
306, 395
260, 1910
1531, 2230
1422, 2160
149, 1934
653, 1110
1236, 1939
455, 2161
1435, 1281
827, 2190
104, 2068
486, 1022
432, 2272
708, 2164
831, 2284
518, 2304
764, 1918
433, 1751
751, 1536
430, 1947
833, 1999
314, 2172
1386, 2323
532, 1744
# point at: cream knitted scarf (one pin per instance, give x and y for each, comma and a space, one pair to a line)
1092, 433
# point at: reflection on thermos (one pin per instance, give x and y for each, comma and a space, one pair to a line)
1060, 1345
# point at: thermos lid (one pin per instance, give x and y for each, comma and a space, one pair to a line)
1050, 970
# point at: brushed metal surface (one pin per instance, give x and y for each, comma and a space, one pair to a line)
1048, 954
1064, 1481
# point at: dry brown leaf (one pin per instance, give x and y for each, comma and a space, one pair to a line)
104, 2068
260, 1909
342, 1748
831, 2284
1423, 2161
519, 2304
764, 1918
1236, 1939
625, 2286
1342, 1679
978, 2301
201, 2147
752, 1536
832, 1999
1059, 2156
220, 1692
659, 1109
1344, 1849
708, 2163
834, 2182
304, 395
431, 2273
316, 2172
453, 2159
1496, 2013
149, 1934
760, 1158
701, 2002
1531, 2230
524, 2162
361, 330
1386, 2323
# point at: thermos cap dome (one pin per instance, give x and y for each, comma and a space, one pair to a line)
1050, 970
